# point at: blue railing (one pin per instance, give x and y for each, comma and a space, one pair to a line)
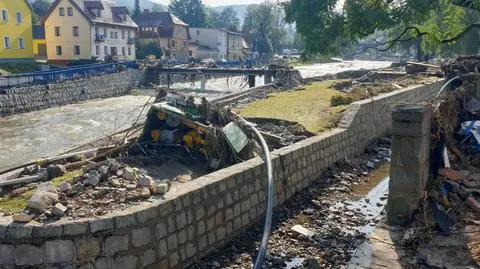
63, 74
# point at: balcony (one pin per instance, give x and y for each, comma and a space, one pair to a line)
99, 38
131, 40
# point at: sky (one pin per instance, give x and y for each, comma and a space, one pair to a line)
219, 2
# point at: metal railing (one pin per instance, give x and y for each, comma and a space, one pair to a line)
63, 74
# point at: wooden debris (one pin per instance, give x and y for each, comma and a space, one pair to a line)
451, 174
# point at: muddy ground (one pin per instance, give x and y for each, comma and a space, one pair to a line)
331, 208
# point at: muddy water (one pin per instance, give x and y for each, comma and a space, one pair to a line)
47, 132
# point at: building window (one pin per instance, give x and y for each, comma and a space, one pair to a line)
97, 50
76, 31
21, 43
129, 34
99, 13
57, 31
5, 15
123, 51
111, 34
105, 33
19, 17
105, 50
123, 34
173, 43
129, 51
6, 42
185, 44
59, 50
76, 50
198, 32
70, 11
61, 11
115, 34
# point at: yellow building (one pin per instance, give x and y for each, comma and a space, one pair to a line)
15, 31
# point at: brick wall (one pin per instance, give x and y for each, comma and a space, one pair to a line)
205, 213
25, 99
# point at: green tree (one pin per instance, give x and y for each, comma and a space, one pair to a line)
158, 8
136, 9
226, 19
193, 12
266, 23
143, 49
40, 7
436, 23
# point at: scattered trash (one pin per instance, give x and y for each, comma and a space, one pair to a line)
451, 174
443, 221
44, 197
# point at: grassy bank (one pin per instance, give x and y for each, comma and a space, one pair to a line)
308, 105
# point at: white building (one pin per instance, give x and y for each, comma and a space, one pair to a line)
212, 43
81, 29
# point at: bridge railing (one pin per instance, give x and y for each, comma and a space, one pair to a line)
63, 74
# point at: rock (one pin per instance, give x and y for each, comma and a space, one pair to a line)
114, 181
129, 174
65, 187
298, 229
92, 180
367, 200
364, 174
183, 178
44, 197
474, 203
145, 181
22, 218
113, 165
19, 191
139, 194
162, 188
59, 210
311, 263
93, 173
54, 171
308, 211
77, 158
119, 173
370, 165
131, 187
103, 170
215, 264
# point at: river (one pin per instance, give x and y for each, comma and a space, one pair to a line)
29, 136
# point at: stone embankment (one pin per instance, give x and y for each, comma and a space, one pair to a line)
31, 98
206, 213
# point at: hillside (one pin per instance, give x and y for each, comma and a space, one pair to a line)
240, 9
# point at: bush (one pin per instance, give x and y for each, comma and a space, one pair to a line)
340, 100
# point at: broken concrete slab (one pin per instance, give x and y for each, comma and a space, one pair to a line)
300, 230
59, 210
22, 218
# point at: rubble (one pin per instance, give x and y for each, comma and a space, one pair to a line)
59, 210
22, 218
335, 229
44, 197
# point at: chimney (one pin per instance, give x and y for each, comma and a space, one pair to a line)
146, 10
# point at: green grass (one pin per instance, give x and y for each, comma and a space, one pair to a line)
309, 107
17, 204
17, 68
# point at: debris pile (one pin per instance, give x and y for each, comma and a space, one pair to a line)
320, 227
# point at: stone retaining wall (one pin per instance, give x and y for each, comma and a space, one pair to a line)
204, 214
25, 99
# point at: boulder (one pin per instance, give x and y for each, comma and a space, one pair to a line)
129, 174
113, 165
103, 170
183, 178
44, 197
139, 194
145, 181
56, 170
92, 180
65, 187
162, 188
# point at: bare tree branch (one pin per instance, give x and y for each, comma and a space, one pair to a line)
392, 42
462, 34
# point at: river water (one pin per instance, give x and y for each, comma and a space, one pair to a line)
29, 136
